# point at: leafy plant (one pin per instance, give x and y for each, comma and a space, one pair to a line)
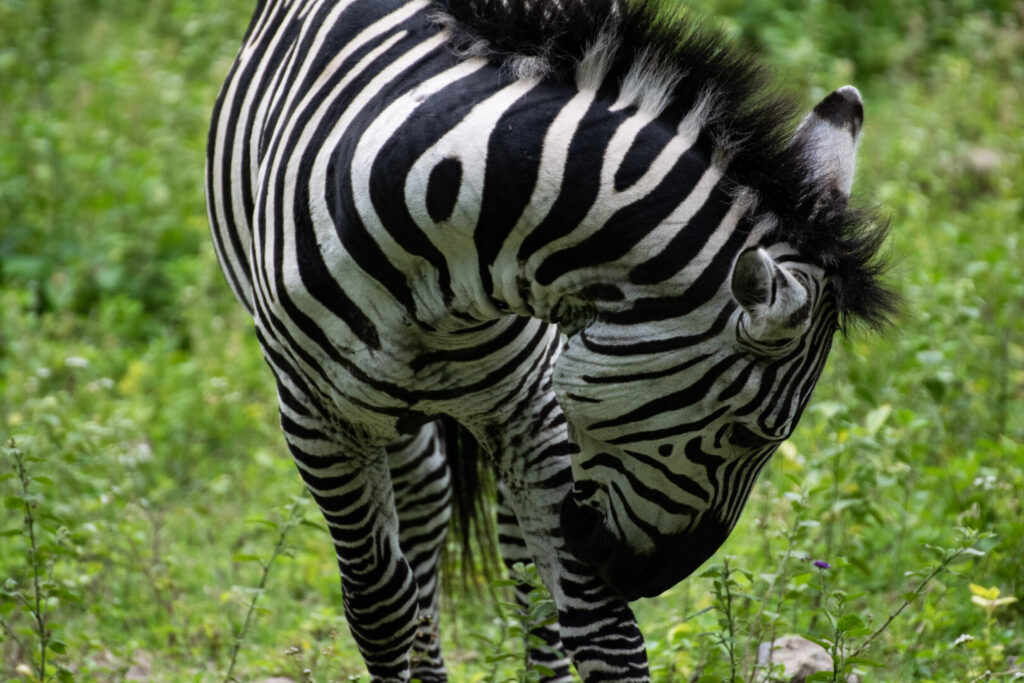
989, 652
517, 627
294, 517
35, 592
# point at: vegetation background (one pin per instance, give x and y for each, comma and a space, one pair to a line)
146, 488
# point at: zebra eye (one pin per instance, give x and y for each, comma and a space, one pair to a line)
743, 437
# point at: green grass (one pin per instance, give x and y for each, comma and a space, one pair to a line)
133, 390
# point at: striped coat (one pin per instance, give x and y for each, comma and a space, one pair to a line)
583, 232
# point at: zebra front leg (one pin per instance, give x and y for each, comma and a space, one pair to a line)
513, 551
422, 486
350, 481
597, 627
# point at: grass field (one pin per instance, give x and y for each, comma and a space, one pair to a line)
146, 488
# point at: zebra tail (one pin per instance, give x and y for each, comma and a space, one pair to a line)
471, 553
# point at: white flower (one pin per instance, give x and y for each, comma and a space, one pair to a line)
76, 362
963, 638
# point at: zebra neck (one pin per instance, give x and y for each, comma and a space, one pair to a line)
533, 198
584, 204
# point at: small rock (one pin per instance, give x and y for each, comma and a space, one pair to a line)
141, 668
982, 161
799, 656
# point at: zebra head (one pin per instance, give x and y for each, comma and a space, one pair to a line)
674, 415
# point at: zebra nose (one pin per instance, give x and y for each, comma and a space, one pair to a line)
585, 533
631, 574
590, 541
675, 557
635, 577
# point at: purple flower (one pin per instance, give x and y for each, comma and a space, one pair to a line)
822, 564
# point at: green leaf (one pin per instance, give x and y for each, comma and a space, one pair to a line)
496, 657
259, 521
820, 676
987, 593
58, 646
849, 621
824, 642
243, 557
535, 641
65, 594
802, 578
935, 387
876, 418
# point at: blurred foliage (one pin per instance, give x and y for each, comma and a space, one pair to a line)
873, 37
130, 380
105, 107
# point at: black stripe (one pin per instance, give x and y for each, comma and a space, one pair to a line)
660, 346
677, 400
474, 353
580, 181
630, 224
434, 117
513, 163
689, 240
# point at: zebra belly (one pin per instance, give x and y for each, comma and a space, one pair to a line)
477, 376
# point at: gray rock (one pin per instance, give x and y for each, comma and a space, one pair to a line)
799, 656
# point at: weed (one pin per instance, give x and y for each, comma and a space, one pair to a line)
517, 627
36, 592
990, 653
295, 516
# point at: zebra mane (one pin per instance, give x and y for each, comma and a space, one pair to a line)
657, 57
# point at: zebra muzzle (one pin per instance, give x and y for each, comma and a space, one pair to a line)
585, 533
590, 541
638, 575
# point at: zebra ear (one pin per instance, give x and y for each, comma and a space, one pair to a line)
827, 142
770, 296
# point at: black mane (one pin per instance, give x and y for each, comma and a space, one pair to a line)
752, 117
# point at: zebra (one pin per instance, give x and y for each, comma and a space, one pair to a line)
585, 233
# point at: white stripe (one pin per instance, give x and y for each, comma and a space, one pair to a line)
550, 175
239, 146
